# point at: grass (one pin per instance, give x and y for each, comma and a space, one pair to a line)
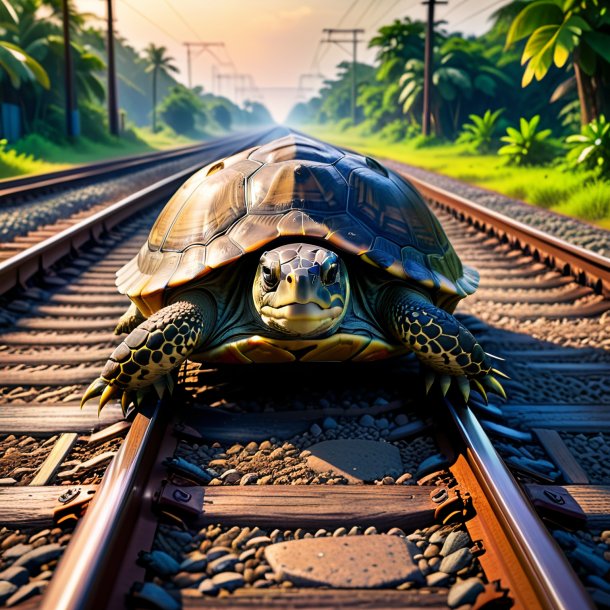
571, 193
34, 154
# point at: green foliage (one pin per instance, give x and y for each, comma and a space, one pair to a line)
180, 110
527, 145
591, 202
222, 116
481, 131
591, 148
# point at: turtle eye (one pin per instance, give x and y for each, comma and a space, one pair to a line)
271, 273
329, 270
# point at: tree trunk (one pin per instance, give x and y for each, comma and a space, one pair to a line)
586, 95
154, 101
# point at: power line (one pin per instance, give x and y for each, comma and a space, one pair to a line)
347, 12
183, 20
366, 10
452, 8
478, 12
144, 16
392, 7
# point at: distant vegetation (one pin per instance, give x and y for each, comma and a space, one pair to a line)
532, 91
32, 94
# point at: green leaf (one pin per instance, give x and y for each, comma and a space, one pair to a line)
564, 45
537, 41
535, 15
585, 153
586, 58
600, 43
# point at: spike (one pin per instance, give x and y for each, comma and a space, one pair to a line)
159, 386
464, 385
481, 390
500, 373
494, 385
445, 382
95, 389
125, 400
169, 382
429, 381
107, 394
496, 357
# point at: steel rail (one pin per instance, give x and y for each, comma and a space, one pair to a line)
16, 270
569, 258
556, 585
85, 574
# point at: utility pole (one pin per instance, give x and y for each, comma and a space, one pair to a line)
429, 64
69, 76
201, 47
354, 40
113, 107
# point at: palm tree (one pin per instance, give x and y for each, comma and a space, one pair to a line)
558, 31
18, 65
158, 63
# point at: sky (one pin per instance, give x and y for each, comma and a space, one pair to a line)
271, 43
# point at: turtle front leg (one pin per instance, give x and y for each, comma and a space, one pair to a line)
439, 341
153, 349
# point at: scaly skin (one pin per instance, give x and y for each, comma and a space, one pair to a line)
157, 346
439, 341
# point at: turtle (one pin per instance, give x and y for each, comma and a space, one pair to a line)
294, 251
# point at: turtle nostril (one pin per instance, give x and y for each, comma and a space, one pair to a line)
289, 279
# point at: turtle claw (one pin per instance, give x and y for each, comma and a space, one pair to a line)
500, 373
96, 388
494, 385
464, 386
445, 382
480, 390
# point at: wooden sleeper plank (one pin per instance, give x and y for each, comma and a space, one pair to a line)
58, 454
560, 454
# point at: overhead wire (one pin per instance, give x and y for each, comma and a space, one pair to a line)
478, 12
451, 7
366, 10
183, 20
147, 18
350, 8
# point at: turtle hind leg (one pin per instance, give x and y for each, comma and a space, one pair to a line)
153, 349
445, 347
129, 320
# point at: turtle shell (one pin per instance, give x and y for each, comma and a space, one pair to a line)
301, 188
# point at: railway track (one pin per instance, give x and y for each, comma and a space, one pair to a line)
218, 490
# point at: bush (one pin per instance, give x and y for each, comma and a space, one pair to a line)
527, 145
482, 131
181, 109
591, 202
344, 124
591, 147
222, 116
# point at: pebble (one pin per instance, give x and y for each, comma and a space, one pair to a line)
455, 561
228, 580
231, 476
315, 430
329, 423
6, 590
17, 551
34, 587
39, 556
454, 541
464, 592
431, 464
207, 587
438, 579
367, 421
432, 550
15, 574
186, 580
159, 562
195, 562
249, 478
217, 551
223, 563
404, 479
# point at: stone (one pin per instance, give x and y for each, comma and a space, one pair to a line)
464, 592
406, 431
431, 551
228, 580
194, 562
431, 464
249, 478
207, 586
456, 561
16, 575
35, 587
226, 562
438, 579
39, 556
454, 541
356, 460
329, 423
17, 551
346, 562
189, 580
6, 590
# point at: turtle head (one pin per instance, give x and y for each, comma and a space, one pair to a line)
301, 289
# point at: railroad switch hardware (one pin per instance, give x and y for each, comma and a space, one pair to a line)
555, 503
182, 503
453, 505
72, 505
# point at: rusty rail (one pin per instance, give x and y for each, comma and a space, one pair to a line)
85, 575
525, 554
588, 267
